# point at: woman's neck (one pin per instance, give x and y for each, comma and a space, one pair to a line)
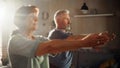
28, 34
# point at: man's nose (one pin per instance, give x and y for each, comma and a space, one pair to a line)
69, 22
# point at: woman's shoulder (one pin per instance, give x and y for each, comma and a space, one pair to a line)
17, 37
40, 37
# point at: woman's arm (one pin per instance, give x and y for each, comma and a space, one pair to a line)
75, 37
57, 46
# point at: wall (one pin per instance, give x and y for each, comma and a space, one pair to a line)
113, 25
79, 25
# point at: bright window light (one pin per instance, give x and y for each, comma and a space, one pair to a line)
6, 15
7, 11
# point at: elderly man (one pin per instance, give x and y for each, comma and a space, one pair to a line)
62, 21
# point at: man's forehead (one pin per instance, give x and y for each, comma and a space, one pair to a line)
64, 14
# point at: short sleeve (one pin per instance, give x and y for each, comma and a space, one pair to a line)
20, 45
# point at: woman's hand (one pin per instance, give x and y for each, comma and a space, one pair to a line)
108, 36
98, 38
92, 40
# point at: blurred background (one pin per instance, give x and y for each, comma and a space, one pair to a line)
101, 15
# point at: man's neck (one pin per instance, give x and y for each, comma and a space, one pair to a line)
62, 29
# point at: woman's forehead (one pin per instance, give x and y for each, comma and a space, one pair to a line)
33, 14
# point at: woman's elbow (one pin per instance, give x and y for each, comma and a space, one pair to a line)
43, 49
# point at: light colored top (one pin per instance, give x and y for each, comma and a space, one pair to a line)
22, 50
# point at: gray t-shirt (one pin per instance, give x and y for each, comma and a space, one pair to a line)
22, 50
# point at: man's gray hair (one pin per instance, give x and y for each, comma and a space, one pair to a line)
59, 12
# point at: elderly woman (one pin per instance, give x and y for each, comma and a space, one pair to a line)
29, 51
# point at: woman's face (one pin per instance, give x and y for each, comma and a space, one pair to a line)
31, 21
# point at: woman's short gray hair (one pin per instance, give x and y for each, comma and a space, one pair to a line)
21, 14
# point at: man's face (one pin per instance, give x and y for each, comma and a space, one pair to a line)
63, 20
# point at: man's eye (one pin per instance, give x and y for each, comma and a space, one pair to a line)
35, 19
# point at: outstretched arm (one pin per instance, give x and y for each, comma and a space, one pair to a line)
57, 46
75, 37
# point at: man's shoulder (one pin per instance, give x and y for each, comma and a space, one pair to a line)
54, 31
